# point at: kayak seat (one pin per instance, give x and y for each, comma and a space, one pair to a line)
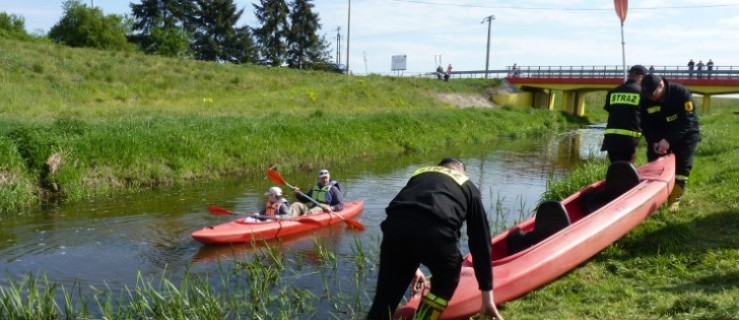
620, 178
550, 218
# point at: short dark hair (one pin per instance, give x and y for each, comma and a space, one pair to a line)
638, 70
649, 84
447, 161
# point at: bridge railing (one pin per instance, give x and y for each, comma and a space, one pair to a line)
589, 72
670, 72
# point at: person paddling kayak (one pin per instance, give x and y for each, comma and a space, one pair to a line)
423, 226
326, 192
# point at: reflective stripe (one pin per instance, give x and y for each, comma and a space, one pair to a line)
681, 177
624, 132
671, 118
625, 98
455, 175
431, 307
653, 109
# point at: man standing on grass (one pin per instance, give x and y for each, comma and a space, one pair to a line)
623, 130
670, 124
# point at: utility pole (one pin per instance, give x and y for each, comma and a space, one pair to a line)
348, 34
338, 45
489, 19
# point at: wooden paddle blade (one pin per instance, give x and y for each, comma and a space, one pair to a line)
275, 177
219, 211
354, 225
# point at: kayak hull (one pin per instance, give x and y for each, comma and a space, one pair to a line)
519, 273
241, 231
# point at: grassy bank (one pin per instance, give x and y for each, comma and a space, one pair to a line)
79, 122
124, 121
674, 265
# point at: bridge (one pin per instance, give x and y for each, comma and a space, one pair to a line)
538, 85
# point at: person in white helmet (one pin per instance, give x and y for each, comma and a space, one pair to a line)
275, 207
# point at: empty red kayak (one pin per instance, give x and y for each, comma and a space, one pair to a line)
567, 233
241, 230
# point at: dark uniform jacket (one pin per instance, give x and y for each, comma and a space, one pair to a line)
434, 201
624, 115
673, 118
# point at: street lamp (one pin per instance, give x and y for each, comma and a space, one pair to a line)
489, 19
348, 33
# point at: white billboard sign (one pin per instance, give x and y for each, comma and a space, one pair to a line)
398, 63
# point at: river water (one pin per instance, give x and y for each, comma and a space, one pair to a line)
106, 242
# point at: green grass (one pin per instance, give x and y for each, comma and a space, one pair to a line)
672, 266
125, 121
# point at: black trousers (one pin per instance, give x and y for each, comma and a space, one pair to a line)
620, 147
404, 247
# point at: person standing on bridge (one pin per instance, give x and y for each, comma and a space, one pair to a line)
670, 124
709, 66
691, 64
700, 68
623, 130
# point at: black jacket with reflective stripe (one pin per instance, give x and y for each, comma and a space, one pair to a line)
672, 118
622, 104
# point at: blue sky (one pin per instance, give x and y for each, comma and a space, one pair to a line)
526, 32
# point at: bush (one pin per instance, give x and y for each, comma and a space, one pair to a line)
88, 27
13, 26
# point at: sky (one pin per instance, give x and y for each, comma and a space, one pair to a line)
526, 32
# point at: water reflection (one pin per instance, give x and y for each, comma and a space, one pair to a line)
104, 242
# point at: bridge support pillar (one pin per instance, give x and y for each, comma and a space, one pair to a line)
542, 99
574, 100
706, 103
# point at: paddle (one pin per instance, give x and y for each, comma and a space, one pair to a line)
216, 210
273, 175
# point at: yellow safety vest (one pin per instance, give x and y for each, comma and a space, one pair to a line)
457, 176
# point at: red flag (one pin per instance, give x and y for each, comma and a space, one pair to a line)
621, 7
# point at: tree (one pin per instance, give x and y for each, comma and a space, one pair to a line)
89, 27
214, 36
163, 26
13, 26
305, 46
271, 36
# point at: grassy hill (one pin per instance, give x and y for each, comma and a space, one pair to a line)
78, 122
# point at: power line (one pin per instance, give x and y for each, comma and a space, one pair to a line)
563, 9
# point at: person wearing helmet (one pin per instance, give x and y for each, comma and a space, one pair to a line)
275, 207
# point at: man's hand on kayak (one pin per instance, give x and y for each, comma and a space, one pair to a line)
419, 282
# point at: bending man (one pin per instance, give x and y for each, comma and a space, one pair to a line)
423, 226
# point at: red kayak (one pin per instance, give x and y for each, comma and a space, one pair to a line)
242, 230
562, 235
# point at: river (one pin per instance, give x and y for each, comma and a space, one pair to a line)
105, 242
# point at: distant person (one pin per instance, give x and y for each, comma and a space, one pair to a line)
514, 70
670, 124
623, 129
448, 72
700, 68
275, 207
439, 72
691, 65
423, 226
651, 69
326, 192
709, 65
